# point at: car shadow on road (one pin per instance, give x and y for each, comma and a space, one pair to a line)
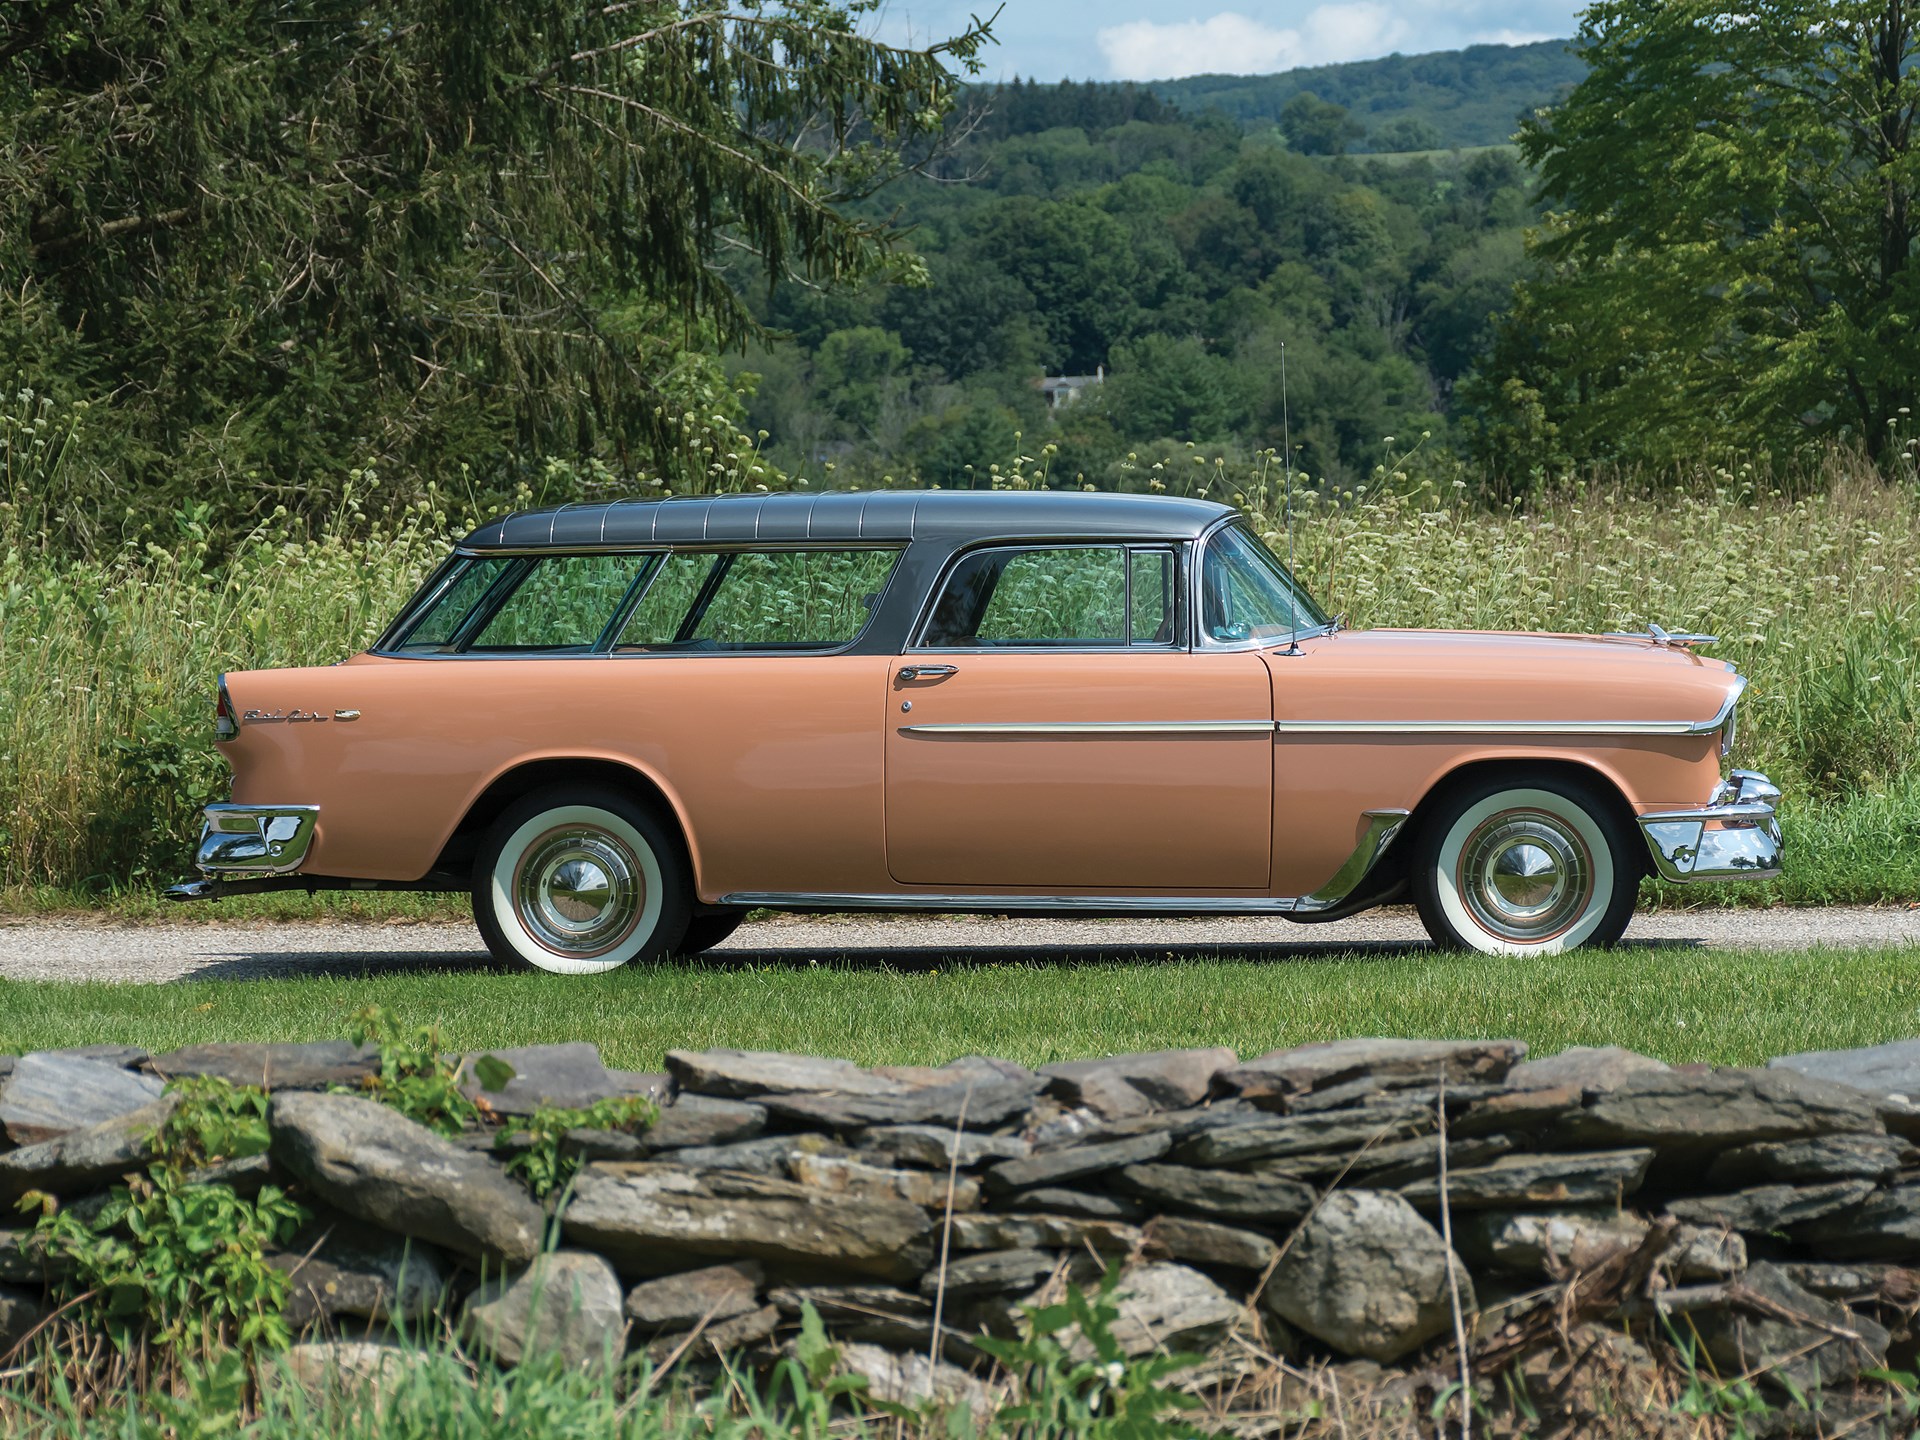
333, 965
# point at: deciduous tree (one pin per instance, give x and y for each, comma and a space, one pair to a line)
1732, 257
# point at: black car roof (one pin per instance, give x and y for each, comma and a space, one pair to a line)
853, 515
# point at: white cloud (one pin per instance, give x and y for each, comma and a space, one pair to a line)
1510, 37
1233, 44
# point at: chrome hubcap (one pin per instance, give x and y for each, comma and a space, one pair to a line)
579, 891
1525, 876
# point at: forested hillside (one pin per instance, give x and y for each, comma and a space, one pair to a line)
1448, 98
1091, 228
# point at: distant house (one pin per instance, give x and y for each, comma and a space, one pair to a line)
1065, 389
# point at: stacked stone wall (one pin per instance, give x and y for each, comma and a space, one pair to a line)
1298, 1204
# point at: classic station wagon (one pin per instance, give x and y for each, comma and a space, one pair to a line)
624, 726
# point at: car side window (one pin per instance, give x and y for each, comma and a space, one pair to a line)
759, 600
1056, 595
564, 602
446, 614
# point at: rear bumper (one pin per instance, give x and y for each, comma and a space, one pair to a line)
239, 842
1735, 836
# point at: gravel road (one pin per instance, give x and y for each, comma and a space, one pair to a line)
85, 950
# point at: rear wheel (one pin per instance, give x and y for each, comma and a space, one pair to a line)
1529, 864
706, 931
576, 881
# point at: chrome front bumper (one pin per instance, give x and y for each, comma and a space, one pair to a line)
1735, 836
238, 841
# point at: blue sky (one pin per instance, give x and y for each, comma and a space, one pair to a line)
1141, 40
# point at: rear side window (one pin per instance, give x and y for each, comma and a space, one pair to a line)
564, 602
508, 604
758, 600
1059, 595
460, 598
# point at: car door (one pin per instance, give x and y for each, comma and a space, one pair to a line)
1050, 726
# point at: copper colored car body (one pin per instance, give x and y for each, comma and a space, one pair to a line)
624, 726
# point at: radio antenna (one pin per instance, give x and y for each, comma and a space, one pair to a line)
1286, 445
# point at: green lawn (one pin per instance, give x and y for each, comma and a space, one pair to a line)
1729, 1007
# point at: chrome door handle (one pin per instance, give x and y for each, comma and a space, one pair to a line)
926, 672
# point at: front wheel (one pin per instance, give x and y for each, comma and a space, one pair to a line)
577, 881
1529, 865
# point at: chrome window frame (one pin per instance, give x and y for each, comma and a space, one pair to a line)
604, 646
1178, 645
1203, 641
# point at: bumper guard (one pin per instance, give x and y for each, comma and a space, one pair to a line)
238, 842
1735, 836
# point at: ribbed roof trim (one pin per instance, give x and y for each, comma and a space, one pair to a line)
851, 515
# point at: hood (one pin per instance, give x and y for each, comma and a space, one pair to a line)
1443, 675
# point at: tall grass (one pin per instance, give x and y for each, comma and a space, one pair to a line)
107, 665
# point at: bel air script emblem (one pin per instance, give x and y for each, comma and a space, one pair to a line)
294, 717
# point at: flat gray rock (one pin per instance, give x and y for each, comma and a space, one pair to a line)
982, 1103
936, 1147
1341, 1132
650, 1218
1163, 1079
20, 1312
379, 1166
315, 1066
1085, 1204
1687, 1114
766, 1156
1890, 1069
127, 1057
679, 1302
834, 1176
1545, 1244
1589, 1067
1305, 1068
1766, 1208
991, 1272
1217, 1192
841, 1303
84, 1160
50, 1095
1858, 1283
1203, 1242
1072, 1162
565, 1304
6, 1065
911, 1379
1817, 1158
566, 1077
1798, 1354
992, 1231
342, 1267
1368, 1276
1704, 1252
693, 1120
1884, 1227
735, 1074
1168, 1308
1579, 1178
719, 1340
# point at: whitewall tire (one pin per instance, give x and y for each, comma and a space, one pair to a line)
577, 881
1528, 865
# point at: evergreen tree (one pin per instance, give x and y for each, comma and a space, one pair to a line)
281, 239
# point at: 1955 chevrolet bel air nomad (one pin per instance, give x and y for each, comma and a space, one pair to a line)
624, 726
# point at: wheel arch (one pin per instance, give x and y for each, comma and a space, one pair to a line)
525, 776
1602, 780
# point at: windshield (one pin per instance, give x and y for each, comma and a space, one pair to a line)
1247, 595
